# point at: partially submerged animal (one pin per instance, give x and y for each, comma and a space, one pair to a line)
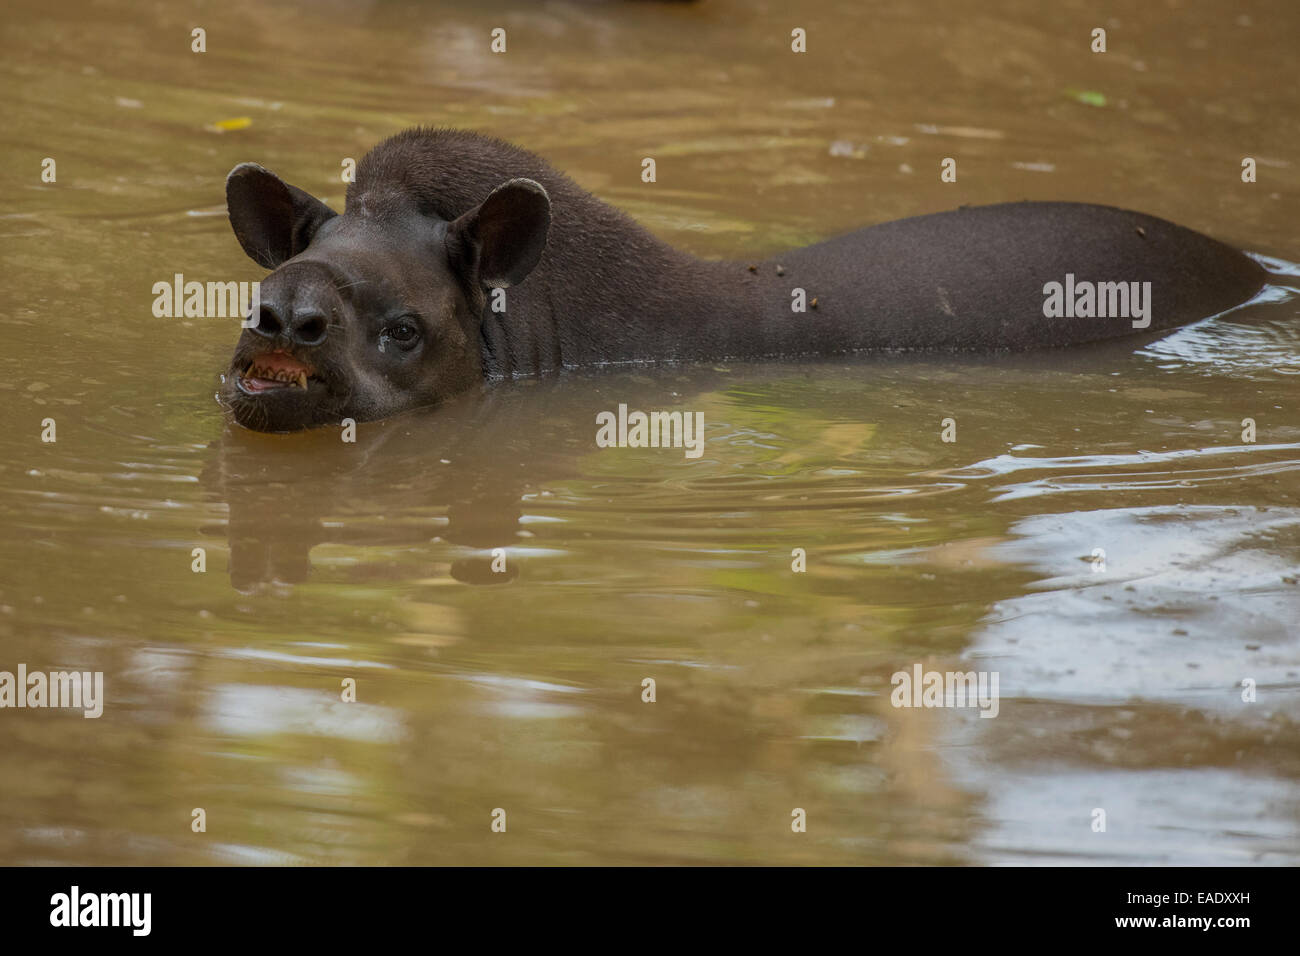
461, 258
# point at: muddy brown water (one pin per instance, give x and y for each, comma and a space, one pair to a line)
1120, 689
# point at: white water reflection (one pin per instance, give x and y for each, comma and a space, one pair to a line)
1201, 817
249, 710
1192, 601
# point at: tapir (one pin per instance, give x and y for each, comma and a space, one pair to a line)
461, 259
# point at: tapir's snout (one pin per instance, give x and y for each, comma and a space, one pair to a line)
299, 305
287, 370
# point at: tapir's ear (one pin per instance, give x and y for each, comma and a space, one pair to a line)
497, 243
273, 221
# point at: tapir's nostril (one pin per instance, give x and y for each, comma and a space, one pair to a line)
268, 322
308, 328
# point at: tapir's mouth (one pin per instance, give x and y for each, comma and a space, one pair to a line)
275, 370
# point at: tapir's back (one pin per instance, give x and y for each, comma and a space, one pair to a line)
981, 278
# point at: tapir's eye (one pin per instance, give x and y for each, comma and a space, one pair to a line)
403, 332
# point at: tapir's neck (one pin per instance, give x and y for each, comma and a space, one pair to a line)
607, 291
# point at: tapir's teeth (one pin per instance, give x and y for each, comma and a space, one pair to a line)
281, 375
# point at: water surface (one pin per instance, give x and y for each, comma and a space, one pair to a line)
477, 690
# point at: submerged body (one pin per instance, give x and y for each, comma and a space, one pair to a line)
460, 258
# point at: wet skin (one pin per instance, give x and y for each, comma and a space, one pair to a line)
461, 259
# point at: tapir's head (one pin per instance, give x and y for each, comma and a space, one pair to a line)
371, 312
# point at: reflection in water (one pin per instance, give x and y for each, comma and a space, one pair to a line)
476, 688
462, 468
1190, 609
1266, 346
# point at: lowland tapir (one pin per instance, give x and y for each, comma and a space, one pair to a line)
461, 258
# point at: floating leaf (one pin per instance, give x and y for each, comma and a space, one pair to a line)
1088, 97
225, 125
